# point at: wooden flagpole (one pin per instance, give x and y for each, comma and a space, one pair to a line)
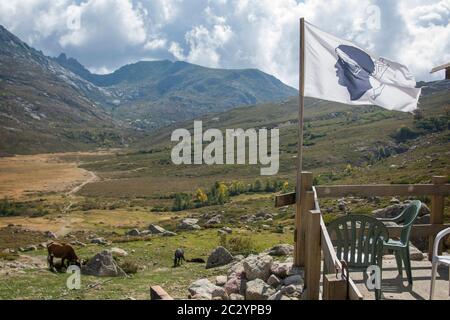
299, 255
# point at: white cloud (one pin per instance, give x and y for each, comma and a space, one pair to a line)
229, 33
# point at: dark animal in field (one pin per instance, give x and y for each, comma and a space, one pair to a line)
64, 251
196, 260
179, 257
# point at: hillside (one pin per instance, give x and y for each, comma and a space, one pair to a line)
150, 94
44, 107
342, 144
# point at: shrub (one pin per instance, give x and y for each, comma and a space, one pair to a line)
237, 245
129, 266
404, 134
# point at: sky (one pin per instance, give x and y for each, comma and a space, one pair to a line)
107, 34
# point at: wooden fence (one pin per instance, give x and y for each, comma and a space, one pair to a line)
313, 241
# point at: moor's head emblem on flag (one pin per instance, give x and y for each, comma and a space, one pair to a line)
354, 68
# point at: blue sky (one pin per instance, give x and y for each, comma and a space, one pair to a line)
259, 34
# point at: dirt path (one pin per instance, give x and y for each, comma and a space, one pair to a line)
92, 178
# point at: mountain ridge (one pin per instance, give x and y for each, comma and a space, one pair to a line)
151, 94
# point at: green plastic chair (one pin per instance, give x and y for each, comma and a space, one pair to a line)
359, 241
401, 246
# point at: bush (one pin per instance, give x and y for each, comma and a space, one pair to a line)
237, 245
129, 266
404, 134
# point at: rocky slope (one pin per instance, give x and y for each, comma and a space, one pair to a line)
45, 107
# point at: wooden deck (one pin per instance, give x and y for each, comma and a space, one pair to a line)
396, 288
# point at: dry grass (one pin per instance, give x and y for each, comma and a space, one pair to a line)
43, 173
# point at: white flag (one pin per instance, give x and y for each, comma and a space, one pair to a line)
337, 70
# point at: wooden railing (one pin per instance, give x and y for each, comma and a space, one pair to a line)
311, 236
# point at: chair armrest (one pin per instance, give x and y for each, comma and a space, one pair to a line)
438, 239
395, 219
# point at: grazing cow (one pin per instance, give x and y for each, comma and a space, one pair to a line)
179, 256
63, 251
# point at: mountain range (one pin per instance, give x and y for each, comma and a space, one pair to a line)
56, 104
149, 94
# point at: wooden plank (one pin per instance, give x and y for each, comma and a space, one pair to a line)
334, 287
382, 190
158, 293
379, 190
441, 67
312, 267
284, 199
437, 213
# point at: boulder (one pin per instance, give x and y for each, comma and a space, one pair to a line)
276, 296
118, 252
154, 229
235, 296
288, 290
257, 267
219, 257
227, 230
236, 269
217, 219
235, 284
281, 250
133, 233
102, 265
219, 294
221, 280
258, 290
50, 235
281, 269
189, 224
204, 289
273, 281
169, 234
101, 241
293, 280
30, 248
78, 243
394, 200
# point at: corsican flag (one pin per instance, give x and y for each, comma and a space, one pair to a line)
337, 70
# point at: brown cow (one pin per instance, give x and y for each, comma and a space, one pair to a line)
63, 251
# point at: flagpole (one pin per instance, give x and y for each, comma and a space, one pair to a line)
300, 252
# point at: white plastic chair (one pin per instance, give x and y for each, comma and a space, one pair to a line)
437, 260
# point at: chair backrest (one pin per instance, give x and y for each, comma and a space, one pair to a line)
358, 239
409, 215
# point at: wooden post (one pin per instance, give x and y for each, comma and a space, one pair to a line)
158, 293
334, 287
298, 256
312, 268
437, 213
302, 208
